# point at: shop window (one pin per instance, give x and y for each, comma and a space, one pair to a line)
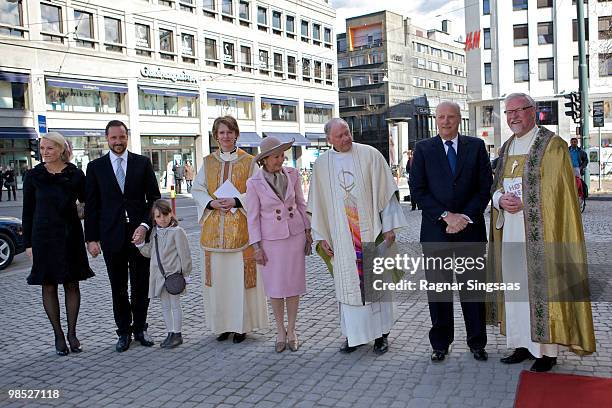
487, 116
113, 40
52, 23
278, 112
83, 31
162, 105
317, 114
210, 52
143, 40
166, 44
14, 95
241, 109
546, 113
11, 18
84, 100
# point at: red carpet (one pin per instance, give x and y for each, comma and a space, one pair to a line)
547, 390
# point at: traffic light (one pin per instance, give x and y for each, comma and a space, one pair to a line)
34, 149
574, 107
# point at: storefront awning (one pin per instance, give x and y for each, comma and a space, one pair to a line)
318, 105
14, 77
275, 101
224, 97
87, 85
286, 137
79, 132
170, 92
315, 136
249, 139
18, 133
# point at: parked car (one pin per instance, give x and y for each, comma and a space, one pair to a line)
11, 240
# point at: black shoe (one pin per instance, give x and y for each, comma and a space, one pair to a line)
480, 354
345, 348
543, 364
439, 355
175, 340
239, 337
223, 336
381, 345
518, 356
123, 343
75, 344
164, 343
61, 349
144, 339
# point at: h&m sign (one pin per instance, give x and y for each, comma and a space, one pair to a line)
472, 40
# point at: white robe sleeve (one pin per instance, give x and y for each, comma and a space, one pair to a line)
500, 217
200, 194
392, 216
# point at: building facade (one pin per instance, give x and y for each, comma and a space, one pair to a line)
531, 46
167, 69
392, 75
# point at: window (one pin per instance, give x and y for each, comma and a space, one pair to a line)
575, 29
357, 60
166, 44
210, 52
487, 38
83, 29
521, 35
487, 73
245, 58
487, 116
306, 69
359, 80
318, 72
166, 3
329, 74
143, 40
605, 65
436, 52
209, 5
188, 48
604, 26
278, 65
14, 95
163, 105
521, 71
112, 34
419, 62
239, 107
317, 114
420, 82
84, 100
263, 62
276, 22
244, 13
316, 34
341, 44
546, 113
519, 5
52, 24
434, 66
343, 62
577, 64
447, 69
11, 18
304, 30
187, 5
229, 57
262, 18
460, 58
486, 7
291, 67
327, 35
544, 3
279, 112
377, 57
377, 99
290, 26
449, 55
546, 69
227, 7
545, 33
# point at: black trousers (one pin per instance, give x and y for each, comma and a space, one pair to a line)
130, 311
442, 332
178, 185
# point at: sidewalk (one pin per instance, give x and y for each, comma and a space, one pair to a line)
6, 204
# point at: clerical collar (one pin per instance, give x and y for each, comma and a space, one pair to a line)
228, 156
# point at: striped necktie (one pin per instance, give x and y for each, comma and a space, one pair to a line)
120, 174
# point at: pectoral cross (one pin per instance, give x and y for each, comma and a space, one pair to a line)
514, 166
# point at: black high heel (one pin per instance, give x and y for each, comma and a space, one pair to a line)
75, 346
61, 349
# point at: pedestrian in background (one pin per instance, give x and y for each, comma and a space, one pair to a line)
54, 236
10, 182
189, 174
167, 245
1, 181
279, 230
179, 173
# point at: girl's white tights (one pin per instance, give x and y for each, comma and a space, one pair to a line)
172, 311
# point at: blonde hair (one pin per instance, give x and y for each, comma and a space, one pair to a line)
61, 141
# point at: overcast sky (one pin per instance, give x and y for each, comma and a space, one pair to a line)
425, 13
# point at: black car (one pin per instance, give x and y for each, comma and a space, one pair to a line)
11, 240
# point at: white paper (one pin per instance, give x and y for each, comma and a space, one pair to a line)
227, 190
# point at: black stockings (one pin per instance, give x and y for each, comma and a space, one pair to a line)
72, 295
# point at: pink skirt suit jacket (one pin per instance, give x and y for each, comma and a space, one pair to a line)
279, 226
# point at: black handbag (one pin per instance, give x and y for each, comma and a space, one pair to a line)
175, 282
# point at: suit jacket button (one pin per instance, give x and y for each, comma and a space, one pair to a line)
278, 211
291, 215
278, 218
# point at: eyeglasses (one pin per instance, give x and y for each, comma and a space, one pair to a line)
513, 111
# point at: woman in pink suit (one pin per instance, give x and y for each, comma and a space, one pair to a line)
279, 230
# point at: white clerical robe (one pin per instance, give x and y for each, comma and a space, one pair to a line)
514, 260
359, 323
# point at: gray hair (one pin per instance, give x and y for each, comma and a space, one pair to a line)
520, 95
331, 123
450, 103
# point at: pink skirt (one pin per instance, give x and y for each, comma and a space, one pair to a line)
284, 275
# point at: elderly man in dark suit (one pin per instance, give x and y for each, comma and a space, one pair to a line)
450, 180
120, 190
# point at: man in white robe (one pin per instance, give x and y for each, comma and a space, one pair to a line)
352, 201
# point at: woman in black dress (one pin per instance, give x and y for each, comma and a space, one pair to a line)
54, 235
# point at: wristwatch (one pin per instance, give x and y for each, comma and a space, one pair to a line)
444, 214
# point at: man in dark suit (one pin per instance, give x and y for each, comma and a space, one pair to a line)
120, 191
450, 180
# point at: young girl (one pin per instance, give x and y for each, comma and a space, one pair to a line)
175, 256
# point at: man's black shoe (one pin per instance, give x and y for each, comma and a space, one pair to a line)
439, 355
381, 345
543, 364
123, 343
239, 337
144, 339
480, 354
345, 348
223, 336
520, 354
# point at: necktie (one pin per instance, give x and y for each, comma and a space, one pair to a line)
451, 155
120, 174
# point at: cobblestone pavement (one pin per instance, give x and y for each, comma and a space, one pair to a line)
204, 372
